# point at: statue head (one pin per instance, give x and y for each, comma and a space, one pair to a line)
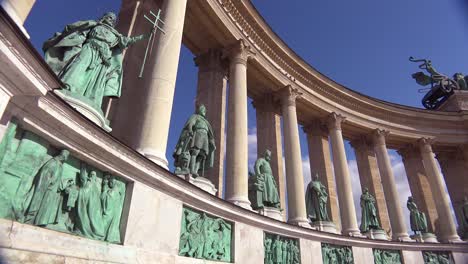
111, 181
268, 155
109, 18
92, 175
201, 110
316, 177
63, 156
465, 200
365, 191
410, 198
458, 76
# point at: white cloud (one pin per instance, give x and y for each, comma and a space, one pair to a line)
252, 149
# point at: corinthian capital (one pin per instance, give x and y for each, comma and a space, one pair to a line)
334, 121
288, 95
239, 52
378, 136
425, 144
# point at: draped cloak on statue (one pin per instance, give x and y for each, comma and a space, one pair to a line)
369, 219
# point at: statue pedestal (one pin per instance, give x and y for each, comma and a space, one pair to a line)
425, 238
458, 101
200, 182
85, 107
271, 212
377, 234
325, 226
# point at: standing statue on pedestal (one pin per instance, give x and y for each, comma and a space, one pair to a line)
418, 220
316, 201
263, 189
369, 219
87, 57
194, 152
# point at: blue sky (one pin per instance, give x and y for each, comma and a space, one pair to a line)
363, 45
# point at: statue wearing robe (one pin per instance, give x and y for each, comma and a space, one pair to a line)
47, 186
418, 220
316, 201
264, 177
112, 199
87, 57
369, 219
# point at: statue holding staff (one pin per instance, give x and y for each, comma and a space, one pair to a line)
369, 219
316, 201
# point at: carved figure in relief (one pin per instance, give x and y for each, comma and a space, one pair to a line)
316, 201
434, 257
194, 152
369, 219
280, 250
418, 220
332, 254
387, 256
112, 199
46, 192
87, 57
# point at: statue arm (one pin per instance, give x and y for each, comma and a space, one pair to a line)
258, 167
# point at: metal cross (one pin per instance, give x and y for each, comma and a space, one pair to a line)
156, 26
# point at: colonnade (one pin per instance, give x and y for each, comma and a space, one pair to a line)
230, 65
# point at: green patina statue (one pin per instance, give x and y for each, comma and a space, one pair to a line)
382, 256
437, 257
333, 254
194, 152
87, 57
464, 217
417, 218
205, 237
263, 190
280, 250
57, 191
369, 219
316, 201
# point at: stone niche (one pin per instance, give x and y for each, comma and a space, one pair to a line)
280, 249
205, 236
385, 256
46, 186
442, 257
332, 254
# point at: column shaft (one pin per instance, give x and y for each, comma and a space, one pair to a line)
292, 150
399, 231
419, 185
370, 178
447, 223
159, 84
236, 141
269, 137
211, 91
320, 163
349, 224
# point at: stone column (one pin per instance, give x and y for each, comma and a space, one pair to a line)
269, 137
320, 163
18, 10
292, 151
159, 84
349, 224
399, 230
211, 91
370, 177
448, 229
236, 141
419, 185
453, 168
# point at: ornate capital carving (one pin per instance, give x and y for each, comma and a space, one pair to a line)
334, 121
379, 136
361, 144
425, 145
210, 61
239, 52
408, 151
266, 103
288, 95
316, 128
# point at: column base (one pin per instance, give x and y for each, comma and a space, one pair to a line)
402, 238
302, 222
451, 239
325, 226
271, 212
155, 156
241, 202
377, 234
352, 232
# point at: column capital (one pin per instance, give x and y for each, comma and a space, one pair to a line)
425, 145
288, 95
316, 128
266, 103
379, 136
408, 151
210, 61
334, 121
361, 144
238, 52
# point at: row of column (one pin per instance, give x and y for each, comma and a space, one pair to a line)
154, 127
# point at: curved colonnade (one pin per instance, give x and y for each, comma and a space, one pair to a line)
234, 46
